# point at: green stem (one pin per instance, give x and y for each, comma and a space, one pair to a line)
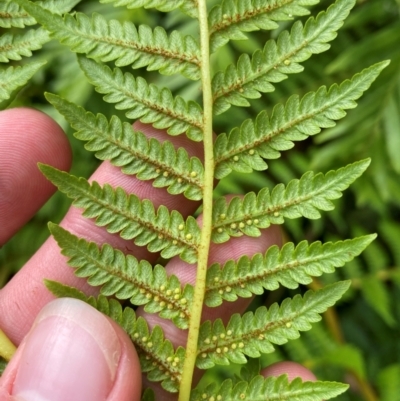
7, 348
199, 289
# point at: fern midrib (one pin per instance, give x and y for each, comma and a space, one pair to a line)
281, 60
140, 221
19, 15
206, 232
246, 16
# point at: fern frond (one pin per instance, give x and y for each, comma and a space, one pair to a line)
271, 388
288, 266
111, 40
124, 277
187, 6
280, 57
254, 333
149, 103
157, 356
231, 18
134, 152
299, 198
160, 230
12, 47
13, 15
243, 149
13, 78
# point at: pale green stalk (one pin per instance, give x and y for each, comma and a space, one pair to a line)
199, 291
7, 348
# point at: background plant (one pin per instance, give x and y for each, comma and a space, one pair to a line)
377, 194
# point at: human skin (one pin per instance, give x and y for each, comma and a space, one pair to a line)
26, 138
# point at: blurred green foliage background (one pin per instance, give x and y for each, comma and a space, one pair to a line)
358, 342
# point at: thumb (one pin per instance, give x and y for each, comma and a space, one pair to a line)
73, 352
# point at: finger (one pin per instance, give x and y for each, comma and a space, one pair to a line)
73, 352
26, 138
25, 294
292, 369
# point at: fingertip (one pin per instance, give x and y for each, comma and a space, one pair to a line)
74, 352
128, 384
292, 369
27, 137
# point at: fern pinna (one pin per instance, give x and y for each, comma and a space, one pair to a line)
101, 43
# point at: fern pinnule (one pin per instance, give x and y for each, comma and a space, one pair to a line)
272, 388
131, 150
119, 212
288, 266
125, 43
12, 78
278, 58
147, 102
254, 333
12, 13
229, 19
14, 47
244, 149
299, 198
124, 277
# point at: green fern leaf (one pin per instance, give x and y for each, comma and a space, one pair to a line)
12, 47
289, 267
163, 230
157, 356
134, 152
150, 103
254, 333
277, 59
299, 198
243, 149
124, 277
270, 389
13, 78
231, 18
148, 395
60, 290
13, 15
187, 6
128, 45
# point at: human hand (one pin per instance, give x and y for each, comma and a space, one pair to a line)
68, 350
